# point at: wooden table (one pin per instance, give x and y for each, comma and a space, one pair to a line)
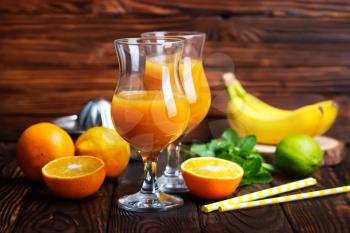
56, 55
26, 207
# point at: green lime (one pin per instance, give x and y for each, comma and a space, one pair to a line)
298, 155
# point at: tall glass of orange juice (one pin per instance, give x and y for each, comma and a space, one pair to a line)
197, 92
149, 119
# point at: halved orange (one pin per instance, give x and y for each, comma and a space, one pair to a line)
211, 178
74, 177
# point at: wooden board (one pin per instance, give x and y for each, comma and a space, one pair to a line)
334, 150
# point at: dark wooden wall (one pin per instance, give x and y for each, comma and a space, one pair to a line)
55, 55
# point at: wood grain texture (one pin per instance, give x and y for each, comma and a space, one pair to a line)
56, 55
299, 80
94, 53
76, 41
267, 7
342, 170
51, 103
57, 92
43, 212
262, 219
184, 219
319, 214
12, 126
102, 27
42, 6
343, 174
13, 187
272, 30
296, 8
233, 28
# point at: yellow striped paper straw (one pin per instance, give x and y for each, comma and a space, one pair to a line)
295, 197
261, 194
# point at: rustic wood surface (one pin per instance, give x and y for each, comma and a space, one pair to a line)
340, 8
27, 207
55, 56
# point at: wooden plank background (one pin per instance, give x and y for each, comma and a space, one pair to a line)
56, 55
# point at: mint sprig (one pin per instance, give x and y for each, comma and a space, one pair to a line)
241, 151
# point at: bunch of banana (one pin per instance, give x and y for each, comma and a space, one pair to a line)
249, 115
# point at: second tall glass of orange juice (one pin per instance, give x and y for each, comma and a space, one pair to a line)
197, 91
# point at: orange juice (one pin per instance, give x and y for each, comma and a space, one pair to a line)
150, 120
194, 82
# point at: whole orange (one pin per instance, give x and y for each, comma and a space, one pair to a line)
40, 144
107, 145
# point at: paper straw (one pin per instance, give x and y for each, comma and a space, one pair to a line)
289, 198
261, 194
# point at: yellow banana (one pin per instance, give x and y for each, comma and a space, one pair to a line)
270, 125
258, 105
271, 129
330, 111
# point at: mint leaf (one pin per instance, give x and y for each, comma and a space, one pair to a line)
218, 146
234, 150
245, 182
230, 135
214, 145
268, 167
202, 150
241, 151
252, 167
263, 177
224, 156
237, 159
254, 155
247, 144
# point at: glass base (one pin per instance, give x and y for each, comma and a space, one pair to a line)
172, 183
149, 202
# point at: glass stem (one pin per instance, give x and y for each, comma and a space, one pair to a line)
150, 165
173, 163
